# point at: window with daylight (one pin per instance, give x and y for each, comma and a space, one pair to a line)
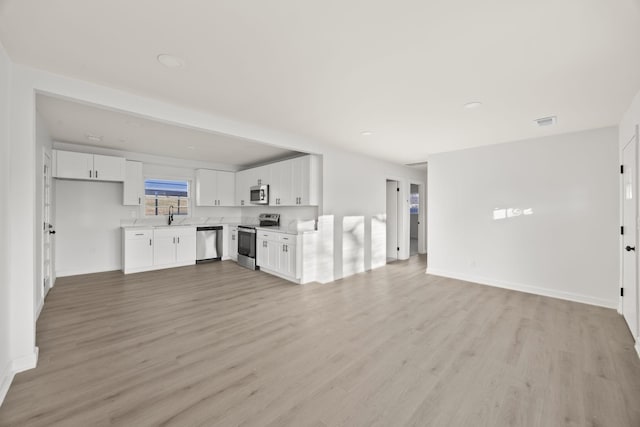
414, 203
160, 194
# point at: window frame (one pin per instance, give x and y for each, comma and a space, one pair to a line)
190, 197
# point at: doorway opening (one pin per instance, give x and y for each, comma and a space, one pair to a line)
393, 196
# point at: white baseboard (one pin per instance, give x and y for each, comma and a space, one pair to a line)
76, 272
25, 363
569, 296
13, 367
6, 377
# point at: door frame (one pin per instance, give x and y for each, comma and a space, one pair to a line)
422, 215
398, 218
632, 140
41, 229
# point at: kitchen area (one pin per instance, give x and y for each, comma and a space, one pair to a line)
260, 242
218, 199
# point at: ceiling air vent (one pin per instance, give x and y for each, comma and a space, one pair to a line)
547, 121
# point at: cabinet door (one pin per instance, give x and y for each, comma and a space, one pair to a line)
73, 165
133, 187
274, 249
164, 247
226, 188
108, 168
242, 188
281, 191
186, 245
262, 253
206, 187
138, 252
300, 179
288, 260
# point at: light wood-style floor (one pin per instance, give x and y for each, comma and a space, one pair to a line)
218, 345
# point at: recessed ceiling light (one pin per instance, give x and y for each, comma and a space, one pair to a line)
170, 61
472, 105
94, 138
366, 133
547, 121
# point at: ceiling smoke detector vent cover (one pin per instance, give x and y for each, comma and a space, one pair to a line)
546, 121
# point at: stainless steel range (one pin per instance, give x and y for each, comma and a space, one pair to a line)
247, 239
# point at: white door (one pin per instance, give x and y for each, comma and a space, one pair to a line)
392, 220
629, 256
47, 228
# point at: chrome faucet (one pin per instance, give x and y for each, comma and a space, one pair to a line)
170, 214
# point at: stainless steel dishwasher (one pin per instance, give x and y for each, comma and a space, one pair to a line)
208, 243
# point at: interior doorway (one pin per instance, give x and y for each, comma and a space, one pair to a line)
629, 294
393, 198
414, 218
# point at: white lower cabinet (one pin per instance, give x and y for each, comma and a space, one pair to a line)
137, 250
174, 246
279, 254
152, 249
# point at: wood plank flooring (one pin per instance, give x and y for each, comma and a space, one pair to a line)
218, 345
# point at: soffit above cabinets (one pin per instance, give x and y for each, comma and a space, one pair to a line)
78, 123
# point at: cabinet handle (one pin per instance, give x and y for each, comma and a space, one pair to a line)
178, 240
139, 200
149, 242
139, 234
174, 240
90, 173
233, 237
96, 174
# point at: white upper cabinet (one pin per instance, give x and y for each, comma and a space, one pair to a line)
215, 188
296, 182
226, 188
281, 185
133, 188
306, 180
85, 166
244, 181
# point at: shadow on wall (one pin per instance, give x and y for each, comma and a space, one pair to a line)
345, 245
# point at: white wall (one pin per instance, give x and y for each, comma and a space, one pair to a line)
355, 185
5, 300
568, 246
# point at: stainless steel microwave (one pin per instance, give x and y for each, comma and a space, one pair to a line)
259, 195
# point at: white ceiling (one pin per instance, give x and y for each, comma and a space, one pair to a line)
69, 121
331, 69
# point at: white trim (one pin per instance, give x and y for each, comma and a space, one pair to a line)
637, 347
569, 296
77, 272
39, 309
6, 378
25, 363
